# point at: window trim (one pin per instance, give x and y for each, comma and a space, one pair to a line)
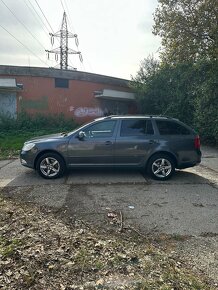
59, 80
137, 135
104, 121
173, 122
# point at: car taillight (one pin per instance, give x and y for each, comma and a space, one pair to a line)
197, 142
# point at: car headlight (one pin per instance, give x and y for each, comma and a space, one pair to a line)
28, 146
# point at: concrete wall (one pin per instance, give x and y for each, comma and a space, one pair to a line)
39, 94
8, 104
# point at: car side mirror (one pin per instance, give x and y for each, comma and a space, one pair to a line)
81, 135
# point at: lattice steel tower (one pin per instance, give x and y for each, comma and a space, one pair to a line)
63, 50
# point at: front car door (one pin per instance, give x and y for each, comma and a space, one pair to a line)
97, 146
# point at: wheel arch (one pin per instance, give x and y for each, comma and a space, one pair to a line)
48, 151
165, 153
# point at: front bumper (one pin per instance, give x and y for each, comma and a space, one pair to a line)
27, 159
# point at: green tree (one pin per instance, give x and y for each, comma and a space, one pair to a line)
206, 101
185, 91
163, 89
142, 86
184, 83
188, 28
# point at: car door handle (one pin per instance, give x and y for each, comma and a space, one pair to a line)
108, 143
152, 142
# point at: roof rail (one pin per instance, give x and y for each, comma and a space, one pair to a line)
110, 116
165, 116
153, 116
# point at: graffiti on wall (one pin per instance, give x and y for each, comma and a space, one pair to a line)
86, 111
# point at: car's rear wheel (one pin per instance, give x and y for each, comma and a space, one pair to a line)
50, 165
161, 167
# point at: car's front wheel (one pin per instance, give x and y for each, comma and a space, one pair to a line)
161, 167
50, 165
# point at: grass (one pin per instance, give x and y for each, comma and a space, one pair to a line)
8, 247
11, 142
14, 132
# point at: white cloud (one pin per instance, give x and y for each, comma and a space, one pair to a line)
114, 35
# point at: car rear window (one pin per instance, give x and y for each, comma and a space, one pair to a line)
171, 128
136, 128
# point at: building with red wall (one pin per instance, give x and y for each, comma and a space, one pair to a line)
78, 95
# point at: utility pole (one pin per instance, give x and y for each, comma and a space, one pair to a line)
63, 50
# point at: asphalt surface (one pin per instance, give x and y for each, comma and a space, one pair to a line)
185, 205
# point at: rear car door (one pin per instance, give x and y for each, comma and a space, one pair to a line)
96, 148
134, 142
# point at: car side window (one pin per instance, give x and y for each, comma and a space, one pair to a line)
135, 127
171, 128
101, 129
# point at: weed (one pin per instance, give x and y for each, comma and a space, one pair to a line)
8, 247
14, 132
180, 238
99, 265
25, 122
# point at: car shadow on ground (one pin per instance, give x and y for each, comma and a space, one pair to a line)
128, 176
79, 176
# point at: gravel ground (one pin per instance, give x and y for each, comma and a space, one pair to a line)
201, 254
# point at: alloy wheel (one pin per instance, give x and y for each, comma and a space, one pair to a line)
161, 168
49, 167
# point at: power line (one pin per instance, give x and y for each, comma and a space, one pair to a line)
62, 5
40, 23
89, 64
73, 29
63, 34
46, 19
23, 24
71, 26
38, 15
44, 15
69, 19
71, 64
23, 45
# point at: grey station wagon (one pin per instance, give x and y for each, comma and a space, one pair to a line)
154, 143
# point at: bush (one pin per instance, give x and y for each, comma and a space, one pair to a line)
187, 91
37, 122
206, 102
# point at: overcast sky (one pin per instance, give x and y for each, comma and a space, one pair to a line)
114, 35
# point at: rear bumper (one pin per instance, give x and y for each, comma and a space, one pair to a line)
187, 165
196, 160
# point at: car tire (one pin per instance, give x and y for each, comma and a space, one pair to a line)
161, 167
50, 165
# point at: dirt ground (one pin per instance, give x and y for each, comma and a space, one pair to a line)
179, 216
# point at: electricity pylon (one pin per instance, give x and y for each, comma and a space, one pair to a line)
63, 50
